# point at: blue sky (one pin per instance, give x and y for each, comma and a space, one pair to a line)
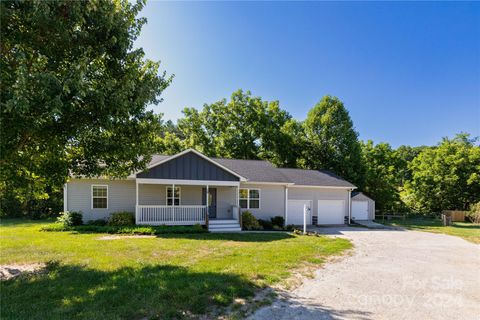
409, 73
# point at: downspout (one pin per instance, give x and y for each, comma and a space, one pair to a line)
137, 213
350, 206
286, 206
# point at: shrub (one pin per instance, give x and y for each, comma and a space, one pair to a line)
70, 218
290, 227
146, 230
474, 214
278, 221
249, 222
121, 218
56, 227
267, 225
98, 222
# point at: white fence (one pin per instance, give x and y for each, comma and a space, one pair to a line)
171, 215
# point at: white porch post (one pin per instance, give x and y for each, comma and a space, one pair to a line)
206, 199
206, 195
237, 203
136, 202
237, 198
173, 202
65, 197
286, 206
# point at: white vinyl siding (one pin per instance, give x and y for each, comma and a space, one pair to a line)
272, 200
121, 197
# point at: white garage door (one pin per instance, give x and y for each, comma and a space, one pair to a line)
360, 210
295, 212
331, 212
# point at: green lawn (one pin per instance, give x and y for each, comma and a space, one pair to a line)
170, 276
467, 231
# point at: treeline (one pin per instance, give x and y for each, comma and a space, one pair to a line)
423, 179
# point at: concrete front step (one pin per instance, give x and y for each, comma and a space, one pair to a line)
224, 226
223, 221
234, 229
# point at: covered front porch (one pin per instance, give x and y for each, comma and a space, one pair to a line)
185, 202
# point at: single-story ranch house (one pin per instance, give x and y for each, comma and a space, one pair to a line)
191, 188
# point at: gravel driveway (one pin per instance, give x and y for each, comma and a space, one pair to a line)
391, 274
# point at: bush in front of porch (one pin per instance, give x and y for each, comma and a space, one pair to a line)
130, 230
250, 222
121, 222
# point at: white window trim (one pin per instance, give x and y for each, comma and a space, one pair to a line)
91, 196
248, 198
173, 196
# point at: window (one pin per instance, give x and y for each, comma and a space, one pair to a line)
243, 198
249, 198
254, 200
99, 197
173, 198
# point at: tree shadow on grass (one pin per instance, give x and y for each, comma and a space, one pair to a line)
307, 309
240, 237
467, 226
24, 222
155, 292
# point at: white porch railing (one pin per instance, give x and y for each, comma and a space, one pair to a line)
171, 215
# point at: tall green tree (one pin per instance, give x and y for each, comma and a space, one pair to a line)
332, 142
445, 177
405, 155
381, 175
74, 91
245, 127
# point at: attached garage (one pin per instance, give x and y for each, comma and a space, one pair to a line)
331, 212
363, 208
295, 211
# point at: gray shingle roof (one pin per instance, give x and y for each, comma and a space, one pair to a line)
157, 158
314, 178
360, 196
264, 171
253, 170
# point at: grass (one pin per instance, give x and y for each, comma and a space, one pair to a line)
465, 230
168, 276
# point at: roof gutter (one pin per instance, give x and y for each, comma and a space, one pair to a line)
322, 187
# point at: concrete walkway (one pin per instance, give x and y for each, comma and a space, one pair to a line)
370, 224
391, 274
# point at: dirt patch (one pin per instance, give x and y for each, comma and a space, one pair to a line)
11, 271
115, 237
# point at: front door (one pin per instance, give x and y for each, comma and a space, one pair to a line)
212, 201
